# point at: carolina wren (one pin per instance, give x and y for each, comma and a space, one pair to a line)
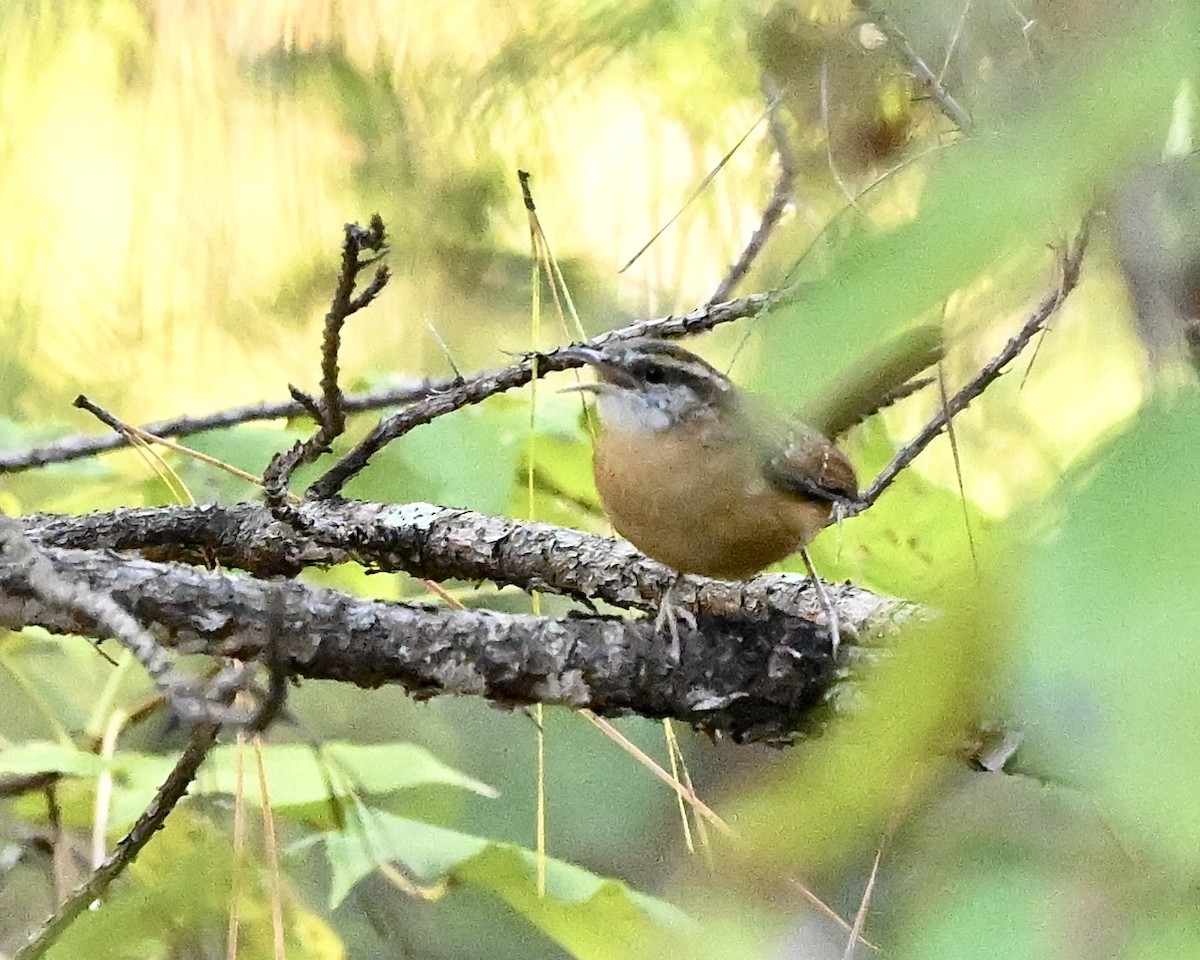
696, 478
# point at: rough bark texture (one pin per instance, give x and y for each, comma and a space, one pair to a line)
753, 669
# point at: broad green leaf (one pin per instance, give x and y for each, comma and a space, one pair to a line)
836, 794
301, 782
1109, 680
468, 459
41, 757
181, 889
996, 909
587, 915
1166, 933
300, 778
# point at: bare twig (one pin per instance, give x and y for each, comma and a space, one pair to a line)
712, 174
925, 76
137, 435
330, 412
1072, 261
777, 203
173, 789
478, 388
79, 446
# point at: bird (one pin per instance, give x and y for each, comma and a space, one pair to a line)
696, 475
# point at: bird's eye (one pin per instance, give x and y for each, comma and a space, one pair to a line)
654, 373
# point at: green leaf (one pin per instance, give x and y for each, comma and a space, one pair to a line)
468, 459
837, 794
301, 779
1109, 681
994, 909
43, 757
587, 915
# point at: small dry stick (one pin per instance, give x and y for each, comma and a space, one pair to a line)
173, 789
138, 435
777, 203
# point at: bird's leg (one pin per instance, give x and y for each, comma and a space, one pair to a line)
669, 615
831, 614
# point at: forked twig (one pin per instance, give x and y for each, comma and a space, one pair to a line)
361, 248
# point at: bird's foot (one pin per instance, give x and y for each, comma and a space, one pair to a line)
827, 604
667, 620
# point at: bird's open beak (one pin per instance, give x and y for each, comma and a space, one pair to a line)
589, 355
597, 387
593, 358
612, 376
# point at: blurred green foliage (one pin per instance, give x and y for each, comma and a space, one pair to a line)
174, 178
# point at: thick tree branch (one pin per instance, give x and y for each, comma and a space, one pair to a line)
22, 560
748, 679
421, 539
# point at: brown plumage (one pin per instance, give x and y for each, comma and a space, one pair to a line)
695, 478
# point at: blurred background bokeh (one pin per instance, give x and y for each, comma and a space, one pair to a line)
174, 178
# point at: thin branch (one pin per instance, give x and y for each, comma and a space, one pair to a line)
709, 177
173, 789
1072, 261
79, 446
925, 76
138, 436
478, 388
330, 412
777, 203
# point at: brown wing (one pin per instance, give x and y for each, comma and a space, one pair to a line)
808, 465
